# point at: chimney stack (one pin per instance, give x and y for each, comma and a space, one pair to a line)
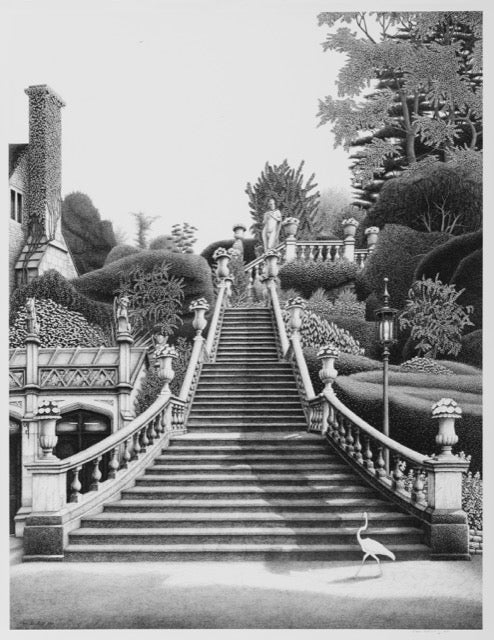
45, 160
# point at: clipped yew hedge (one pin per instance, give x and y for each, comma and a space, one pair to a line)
121, 251
444, 259
307, 277
411, 396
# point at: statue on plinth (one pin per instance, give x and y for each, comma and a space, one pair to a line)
272, 224
121, 310
31, 319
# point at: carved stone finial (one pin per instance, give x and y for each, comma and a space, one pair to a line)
122, 314
32, 320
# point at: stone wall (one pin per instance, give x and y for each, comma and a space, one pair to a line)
476, 541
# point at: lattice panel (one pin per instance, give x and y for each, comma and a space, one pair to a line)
16, 378
78, 377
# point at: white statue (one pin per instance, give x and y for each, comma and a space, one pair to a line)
32, 320
272, 224
121, 305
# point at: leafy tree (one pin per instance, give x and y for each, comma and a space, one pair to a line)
164, 243
427, 67
88, 237
435, 317
293, 197
155, 299
184, 237
143, 225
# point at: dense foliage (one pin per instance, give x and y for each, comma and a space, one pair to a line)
155, 299
293, 197
88, 237
249, 249
396, 255
425, 365
471, 348
183, 235
468, 278
316, 332
444, 259
59, 327
120, 251
426, 101
307, 277
53, 286
143, 226
434, 317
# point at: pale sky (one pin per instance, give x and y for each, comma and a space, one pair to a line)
174, 105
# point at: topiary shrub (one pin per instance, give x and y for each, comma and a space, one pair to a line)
444, 259
471, 349
468, 276
307, 277
396, 255
53, 286
249, 249
425, 365
363, 331
59, 327
471, 502
164, 243
316, 332
120, 251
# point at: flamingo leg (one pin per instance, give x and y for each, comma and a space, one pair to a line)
363, 560
378, 564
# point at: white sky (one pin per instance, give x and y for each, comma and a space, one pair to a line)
173, 106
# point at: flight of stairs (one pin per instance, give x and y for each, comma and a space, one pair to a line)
247, 481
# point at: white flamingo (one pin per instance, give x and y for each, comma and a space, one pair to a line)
372, 548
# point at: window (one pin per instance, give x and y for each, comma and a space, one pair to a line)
16, 205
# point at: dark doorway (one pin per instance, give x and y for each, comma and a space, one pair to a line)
15, 469
77, 431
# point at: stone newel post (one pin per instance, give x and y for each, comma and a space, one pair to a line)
349, 229
448, 532
222, 258
164, 358
372, 234
271, 260
290, 226
199, 307
327, 355
48, 416
124, 342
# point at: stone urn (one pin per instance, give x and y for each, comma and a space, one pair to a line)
164, 359
222, 258
290, 226
295, 307
271, 259
349, 227
199, 307
371, 233
446, 411
327, 354
48, 415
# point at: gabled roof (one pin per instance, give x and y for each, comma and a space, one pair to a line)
16, 152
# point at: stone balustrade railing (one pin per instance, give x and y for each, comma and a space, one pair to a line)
428, 487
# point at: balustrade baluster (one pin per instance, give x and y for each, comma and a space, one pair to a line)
75, 485
398, 476
330, 421
349, 438
342, 432
95, 475
151, 431
418, 492
144, 439
357, 447
380, 464
113, 464
369, 464
126, 457
137, 446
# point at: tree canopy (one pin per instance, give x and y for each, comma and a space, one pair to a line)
423, 75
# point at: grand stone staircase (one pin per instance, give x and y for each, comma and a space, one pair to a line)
247, 481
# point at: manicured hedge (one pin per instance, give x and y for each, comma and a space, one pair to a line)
444, 259
468, 276
363, 331
307, 277
410, 398
249, 249
120, 251
53, 286
396, 255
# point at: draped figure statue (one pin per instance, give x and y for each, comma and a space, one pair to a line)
272, 225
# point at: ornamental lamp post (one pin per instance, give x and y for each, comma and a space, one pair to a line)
386, 330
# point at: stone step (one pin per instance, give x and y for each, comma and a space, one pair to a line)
181, 552
240, 519
248, 479
232, 411
242, 459
212, 389
255, 402
152, 491
240, 468
247, 535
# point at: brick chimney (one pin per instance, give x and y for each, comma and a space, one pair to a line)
45, 159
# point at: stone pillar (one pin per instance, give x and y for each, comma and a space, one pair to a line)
291, 250
124, 342
349, 248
